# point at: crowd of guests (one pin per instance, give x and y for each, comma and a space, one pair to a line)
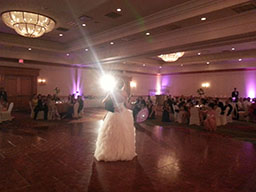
204, 111
49, 105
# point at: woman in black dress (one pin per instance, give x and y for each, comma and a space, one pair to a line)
166, 111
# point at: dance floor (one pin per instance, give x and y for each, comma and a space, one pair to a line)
58, 156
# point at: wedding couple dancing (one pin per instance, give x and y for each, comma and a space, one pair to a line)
116, 137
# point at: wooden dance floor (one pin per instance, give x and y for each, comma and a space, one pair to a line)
58, 156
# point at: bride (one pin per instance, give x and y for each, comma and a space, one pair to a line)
116, 137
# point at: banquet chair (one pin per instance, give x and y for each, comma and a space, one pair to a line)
218, 116
80, 114
175, 113
230, 117
180, 117
76, 106
194, 116
40, 114
6, 115
223, 118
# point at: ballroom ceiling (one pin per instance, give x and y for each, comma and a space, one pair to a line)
133, 38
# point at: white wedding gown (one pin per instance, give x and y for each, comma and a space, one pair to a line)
116, 137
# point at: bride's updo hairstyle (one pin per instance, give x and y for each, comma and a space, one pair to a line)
120, 84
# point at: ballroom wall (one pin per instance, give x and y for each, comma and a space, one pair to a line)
221, 83
69, 80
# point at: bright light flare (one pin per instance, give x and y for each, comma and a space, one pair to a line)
133, 84
206, 85
108, 82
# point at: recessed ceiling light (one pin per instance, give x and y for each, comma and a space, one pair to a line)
198, 53
233, 48
147, 33
86, 49
239, 59
208, 63
67, 54
29, 48
84, 25
203, 18
118, 9
160, 67
111, 43
181, 65
144, 65
60, 34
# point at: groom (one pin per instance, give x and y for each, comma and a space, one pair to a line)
109, 106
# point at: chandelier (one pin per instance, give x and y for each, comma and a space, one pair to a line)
171, 57
28, 24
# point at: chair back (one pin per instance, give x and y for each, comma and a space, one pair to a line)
10, 107
30, 105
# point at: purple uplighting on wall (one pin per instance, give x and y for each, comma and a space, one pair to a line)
165, 81
76, 82
251, 85
158, 84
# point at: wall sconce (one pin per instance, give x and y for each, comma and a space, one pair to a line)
41, 81
206, 85
133, 84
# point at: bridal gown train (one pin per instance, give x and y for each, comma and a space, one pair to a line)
116, 137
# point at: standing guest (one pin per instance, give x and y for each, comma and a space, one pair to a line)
235, 95
34, 101
210, 121
41, 106
166, 112
81, 104
170, 103
151, 110
52, 109
3, 94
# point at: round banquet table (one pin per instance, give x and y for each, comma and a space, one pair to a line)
62, 107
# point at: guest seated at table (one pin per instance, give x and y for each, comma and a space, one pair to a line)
166, 112
3, 94
194, 115
183, 115
210, 121
3, 104
41, 106
240, 104
252, 111
139, 104
229, 107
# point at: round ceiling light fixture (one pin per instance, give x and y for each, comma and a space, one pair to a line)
171, 57
28, 24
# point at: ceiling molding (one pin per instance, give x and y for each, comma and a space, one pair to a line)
232, 29
216, 57
209, 71
180, 12
19, 41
